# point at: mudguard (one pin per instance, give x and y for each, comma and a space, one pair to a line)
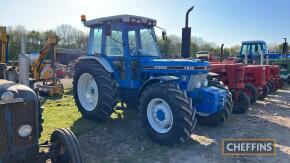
101, 60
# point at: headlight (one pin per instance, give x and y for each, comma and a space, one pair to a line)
25, 130
7, 96
205, 83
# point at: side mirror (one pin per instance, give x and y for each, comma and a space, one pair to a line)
108, 29
164, 35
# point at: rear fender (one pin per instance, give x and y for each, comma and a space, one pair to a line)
100, 60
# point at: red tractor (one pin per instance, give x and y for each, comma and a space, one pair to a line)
232, 75
273, 78
254, 84
253, 52
255, 74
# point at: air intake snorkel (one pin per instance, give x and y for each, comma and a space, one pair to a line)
186, 34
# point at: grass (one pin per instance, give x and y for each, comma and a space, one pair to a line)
63, 113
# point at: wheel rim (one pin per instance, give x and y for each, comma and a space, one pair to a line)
88, 92
159, 115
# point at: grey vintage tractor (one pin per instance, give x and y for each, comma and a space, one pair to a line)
123, 64
21, 126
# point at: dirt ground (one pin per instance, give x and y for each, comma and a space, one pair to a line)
122, 139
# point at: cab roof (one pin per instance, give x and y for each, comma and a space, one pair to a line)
253, 42
122, 19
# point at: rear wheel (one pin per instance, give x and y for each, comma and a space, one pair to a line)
265, 92
167, 113
94, 91
65, 147
252, 92
241, 102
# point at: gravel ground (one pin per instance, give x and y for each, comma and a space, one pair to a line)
122, 139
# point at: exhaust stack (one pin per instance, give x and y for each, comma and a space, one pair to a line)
222, 53
186, 35
285, 48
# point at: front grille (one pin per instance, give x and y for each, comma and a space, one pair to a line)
240, 73
194, 79
13, 115
3, 140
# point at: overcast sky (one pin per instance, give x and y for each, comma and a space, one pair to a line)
219, 21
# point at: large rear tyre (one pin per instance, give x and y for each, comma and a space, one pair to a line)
252, 93
167, 113
241, 103
94, 90
265, 92
65, 147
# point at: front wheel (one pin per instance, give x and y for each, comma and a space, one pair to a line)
252, 92
167, 113
241, 102
265, 92
65, 147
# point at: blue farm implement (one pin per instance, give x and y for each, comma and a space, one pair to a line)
123, 64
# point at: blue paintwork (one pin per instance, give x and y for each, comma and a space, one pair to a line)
206, 100
160, 115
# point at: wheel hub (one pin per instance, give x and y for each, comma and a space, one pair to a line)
159, 115
88, 91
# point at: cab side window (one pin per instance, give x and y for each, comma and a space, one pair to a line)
114, 44
97, 42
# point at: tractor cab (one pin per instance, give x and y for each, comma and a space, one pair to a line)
254, 51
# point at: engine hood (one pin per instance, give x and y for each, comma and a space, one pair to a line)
175, 66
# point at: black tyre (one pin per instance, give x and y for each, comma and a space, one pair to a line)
270, 86
275, 86
94, 90
242, 103
167, 113
40, 120
265, 92
65, 147
252, 92
280, 83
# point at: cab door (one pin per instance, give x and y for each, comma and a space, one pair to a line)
115, 50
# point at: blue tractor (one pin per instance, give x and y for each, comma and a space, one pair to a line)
123, 64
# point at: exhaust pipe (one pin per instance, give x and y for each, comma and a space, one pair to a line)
186, 35
222, 53
285, 48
